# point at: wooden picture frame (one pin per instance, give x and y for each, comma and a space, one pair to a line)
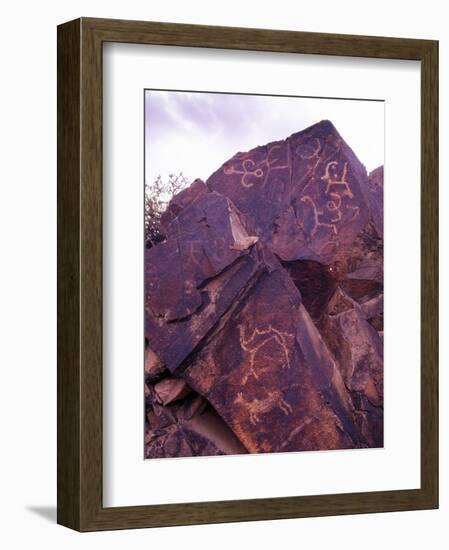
80, 504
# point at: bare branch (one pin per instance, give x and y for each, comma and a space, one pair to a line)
157, 197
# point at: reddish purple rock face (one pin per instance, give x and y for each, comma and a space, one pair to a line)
303, 196
264, 304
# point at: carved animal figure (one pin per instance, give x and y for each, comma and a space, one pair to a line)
258, 339
256, 407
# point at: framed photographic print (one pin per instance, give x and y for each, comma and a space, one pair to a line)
247, 287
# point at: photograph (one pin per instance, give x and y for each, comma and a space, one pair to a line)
247, 262
263, 274
247, 273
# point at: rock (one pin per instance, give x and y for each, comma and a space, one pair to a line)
195, 275
364, 277
264, 305
358, 349
303, 196
209, 425
170, 389
186, 428
365, 265
374, 196
181, 200
373, 310
269, 375
154, 368
316, 283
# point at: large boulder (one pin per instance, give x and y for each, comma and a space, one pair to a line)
358, 350
269, 374
374, 196
304, 196
186, 428
264, 305
193, 277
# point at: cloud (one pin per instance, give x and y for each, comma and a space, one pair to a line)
196, 132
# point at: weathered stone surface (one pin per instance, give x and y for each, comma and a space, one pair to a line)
358, 350
269, 375
194, 276
304, 196
186, 428
265, 303
374, 195
154, 368
168, 435
373, 310
183, 199
316, 283
364, 266
169, 390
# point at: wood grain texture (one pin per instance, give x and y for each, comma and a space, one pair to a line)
68, 113
80, 274
429, 271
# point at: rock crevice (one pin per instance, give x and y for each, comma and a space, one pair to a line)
265, 304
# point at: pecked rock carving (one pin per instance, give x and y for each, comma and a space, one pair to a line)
304, 196
264, 305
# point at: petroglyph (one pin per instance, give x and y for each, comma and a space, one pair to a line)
298, 430
314, 154
256, 407
248, 169
304, 150
317, 152
260, 170
331, 178
280, 343
258, 339
317, 222
334, 206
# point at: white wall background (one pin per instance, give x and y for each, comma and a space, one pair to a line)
28, 273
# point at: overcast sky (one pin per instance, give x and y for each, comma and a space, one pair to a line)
195, 132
